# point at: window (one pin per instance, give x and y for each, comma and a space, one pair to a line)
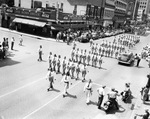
31, 3
19, 5
62, 5
37, 4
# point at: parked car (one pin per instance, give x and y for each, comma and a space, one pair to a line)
84, 37
95, 35
126, 58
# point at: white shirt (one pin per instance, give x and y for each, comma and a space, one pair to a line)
88, 86
101, 91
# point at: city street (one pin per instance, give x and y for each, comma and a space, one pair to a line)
23, 86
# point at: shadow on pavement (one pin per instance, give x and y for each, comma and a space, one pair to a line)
71, 96
8, 62
93, 103
55, 90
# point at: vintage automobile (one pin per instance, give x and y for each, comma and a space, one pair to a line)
126, 58
84, 37
95, 35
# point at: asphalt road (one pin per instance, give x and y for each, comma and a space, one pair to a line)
23, 87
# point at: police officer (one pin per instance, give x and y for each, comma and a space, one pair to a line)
54, 62
84, 72
50, 57
101, 94
77, 55
88, 58
77, 71
113, 96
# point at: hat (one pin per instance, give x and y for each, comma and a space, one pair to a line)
146, 109
113, 89
103, 86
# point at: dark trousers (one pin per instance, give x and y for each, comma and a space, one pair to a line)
40, 56
138, 61
12, 45
51, 85
100, 100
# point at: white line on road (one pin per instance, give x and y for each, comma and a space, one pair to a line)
48, 102
21, 88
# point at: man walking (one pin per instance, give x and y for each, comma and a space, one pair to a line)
12, 43
101, 94
50, 77
40, 53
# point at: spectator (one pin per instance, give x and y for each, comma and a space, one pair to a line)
12, 43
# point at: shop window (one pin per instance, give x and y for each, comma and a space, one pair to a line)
62, 5
37, 4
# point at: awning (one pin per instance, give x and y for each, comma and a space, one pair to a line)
57, 27
29, 22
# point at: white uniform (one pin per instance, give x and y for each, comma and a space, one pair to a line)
88, 90
65, 79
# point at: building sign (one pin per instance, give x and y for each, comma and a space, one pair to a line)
33, 13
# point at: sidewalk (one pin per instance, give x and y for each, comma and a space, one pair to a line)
25, 34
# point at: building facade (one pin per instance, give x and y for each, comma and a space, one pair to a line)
144, 9
120, 13
108, 12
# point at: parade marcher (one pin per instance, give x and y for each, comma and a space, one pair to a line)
65, 79
101, 94
50, 57
84, 72
12, 43
40, 52
92, 48
88, 90
144, 116
73, 70
50, 77
54, 62
64, 66
77, 71
58, 64
88, 58
100, 61
73, 54
77, 55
